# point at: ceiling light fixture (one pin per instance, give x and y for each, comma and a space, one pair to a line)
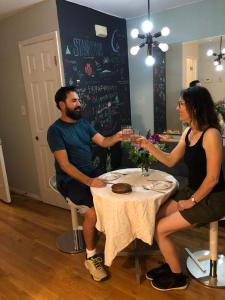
149, 39
219, 57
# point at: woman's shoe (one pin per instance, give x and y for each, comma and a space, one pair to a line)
159, 271
173, 281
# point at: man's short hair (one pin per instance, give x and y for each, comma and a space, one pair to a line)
62, 93
194, 83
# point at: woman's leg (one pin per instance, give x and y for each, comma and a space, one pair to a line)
164, 228
169, 207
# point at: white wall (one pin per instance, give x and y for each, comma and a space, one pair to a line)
210, 78
14, 128
174, 80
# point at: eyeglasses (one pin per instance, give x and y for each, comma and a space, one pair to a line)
180, 103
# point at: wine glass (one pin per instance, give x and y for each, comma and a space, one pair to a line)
134, 137
127, 131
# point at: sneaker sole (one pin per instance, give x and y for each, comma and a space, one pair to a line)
95, 278
149, 278
170, 289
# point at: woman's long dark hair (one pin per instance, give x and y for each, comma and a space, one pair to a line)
201, 107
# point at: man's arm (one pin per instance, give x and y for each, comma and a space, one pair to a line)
72, 171
106, 142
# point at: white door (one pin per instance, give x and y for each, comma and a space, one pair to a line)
42, 77
191, 70
4, 187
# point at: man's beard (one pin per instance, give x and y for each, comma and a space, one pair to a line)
74, 114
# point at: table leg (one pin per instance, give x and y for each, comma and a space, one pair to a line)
137, 252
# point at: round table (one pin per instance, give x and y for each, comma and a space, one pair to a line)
125, 217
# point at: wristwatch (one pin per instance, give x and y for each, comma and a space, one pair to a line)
193, 200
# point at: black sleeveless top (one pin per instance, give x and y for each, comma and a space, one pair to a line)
195, 159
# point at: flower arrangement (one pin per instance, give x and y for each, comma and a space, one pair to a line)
140, 157
220, 109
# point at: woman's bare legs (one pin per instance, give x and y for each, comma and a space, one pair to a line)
166, 209
165, 226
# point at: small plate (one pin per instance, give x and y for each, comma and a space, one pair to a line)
159, 185
110, 176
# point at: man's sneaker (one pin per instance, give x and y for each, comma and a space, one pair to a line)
161, 270
95, 266
170, 282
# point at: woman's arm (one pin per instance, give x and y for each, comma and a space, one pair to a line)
212, 144
168, 159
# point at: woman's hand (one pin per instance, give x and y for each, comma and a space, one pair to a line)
184, 204
143, 142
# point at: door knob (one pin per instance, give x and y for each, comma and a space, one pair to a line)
37, 138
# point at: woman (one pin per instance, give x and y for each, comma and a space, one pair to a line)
203, 200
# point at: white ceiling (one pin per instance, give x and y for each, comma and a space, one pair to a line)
121, 8
10, 7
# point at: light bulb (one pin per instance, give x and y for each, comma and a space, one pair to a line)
147, 26
165, 31
223, 51
149, 60
163, 46
215, 62
219, 68
134, 50
209, 52
134, 33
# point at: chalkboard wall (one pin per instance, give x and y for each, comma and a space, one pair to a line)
98, 67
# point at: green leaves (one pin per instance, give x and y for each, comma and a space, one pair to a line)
141, 157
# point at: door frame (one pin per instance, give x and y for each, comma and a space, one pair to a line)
37, 39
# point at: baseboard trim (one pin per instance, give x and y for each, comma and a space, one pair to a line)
25, 193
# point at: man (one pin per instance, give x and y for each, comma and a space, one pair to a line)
69, 139
195, 83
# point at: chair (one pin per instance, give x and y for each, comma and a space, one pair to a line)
71, 241
206, 266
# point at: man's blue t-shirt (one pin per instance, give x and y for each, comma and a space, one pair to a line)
75, 138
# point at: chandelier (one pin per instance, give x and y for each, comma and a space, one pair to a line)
149, 39
218, 57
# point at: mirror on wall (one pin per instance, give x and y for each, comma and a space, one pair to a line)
189, 61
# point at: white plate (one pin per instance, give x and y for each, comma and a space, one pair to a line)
110, 176
159, 185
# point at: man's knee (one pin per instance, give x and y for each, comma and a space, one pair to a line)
90, 215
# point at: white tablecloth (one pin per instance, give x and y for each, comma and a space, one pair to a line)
125, 217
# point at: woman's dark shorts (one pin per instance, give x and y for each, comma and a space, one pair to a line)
209, 209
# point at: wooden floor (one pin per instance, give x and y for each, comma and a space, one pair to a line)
32, 268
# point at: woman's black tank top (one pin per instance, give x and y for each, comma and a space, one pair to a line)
195, 159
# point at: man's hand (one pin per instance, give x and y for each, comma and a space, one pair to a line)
184, 204
96, 182
143, 142
119, 135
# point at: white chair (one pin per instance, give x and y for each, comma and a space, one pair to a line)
71, 241
206, 266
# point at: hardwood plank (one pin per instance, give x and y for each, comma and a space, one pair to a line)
32, 268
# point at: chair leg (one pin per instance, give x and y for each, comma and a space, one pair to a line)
208, 267
74, 216
73, 240
213, 246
